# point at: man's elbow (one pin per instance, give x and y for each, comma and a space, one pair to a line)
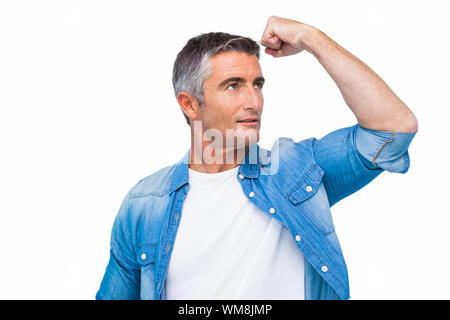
411, 124
403, 120
407, 122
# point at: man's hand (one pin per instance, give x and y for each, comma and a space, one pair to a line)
284, 37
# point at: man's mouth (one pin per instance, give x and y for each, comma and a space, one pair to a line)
249, 121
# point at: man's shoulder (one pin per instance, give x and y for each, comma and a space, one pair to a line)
287, 157
288, 148
155, 184
304, 144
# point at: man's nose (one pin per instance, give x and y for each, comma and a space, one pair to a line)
253, 99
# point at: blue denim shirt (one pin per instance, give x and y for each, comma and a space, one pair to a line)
300, 180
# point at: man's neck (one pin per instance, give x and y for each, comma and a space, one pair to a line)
217, 160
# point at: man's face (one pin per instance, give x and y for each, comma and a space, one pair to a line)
233, 94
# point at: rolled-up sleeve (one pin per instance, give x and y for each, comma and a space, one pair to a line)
351, 157
384, 149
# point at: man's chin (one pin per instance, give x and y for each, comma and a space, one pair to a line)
241, 138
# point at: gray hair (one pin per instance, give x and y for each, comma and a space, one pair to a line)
192, 67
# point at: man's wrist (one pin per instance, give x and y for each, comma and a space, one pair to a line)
310, 39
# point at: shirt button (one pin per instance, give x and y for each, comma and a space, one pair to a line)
272, 210
308, 188
241, 176
251, 194
324, 268
143, 256
298, 238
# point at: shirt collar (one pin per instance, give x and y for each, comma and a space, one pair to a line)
250, 168
180, 175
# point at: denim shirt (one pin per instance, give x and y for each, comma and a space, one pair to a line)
301, 181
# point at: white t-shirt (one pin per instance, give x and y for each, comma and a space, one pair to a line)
227, 248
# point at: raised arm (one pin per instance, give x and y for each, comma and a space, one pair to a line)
350, 157
374, 104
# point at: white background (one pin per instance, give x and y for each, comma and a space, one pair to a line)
87, 109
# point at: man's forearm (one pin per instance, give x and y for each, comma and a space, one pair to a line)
374, 104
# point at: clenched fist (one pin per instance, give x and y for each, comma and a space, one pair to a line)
284, 37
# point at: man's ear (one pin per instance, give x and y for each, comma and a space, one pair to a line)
188, 104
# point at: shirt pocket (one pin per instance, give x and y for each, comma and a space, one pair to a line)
310, 198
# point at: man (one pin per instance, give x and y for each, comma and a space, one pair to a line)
238, 221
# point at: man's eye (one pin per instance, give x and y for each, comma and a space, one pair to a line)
260, 85
231, 85
235, 85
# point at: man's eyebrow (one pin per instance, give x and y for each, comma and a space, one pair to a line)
240, 80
